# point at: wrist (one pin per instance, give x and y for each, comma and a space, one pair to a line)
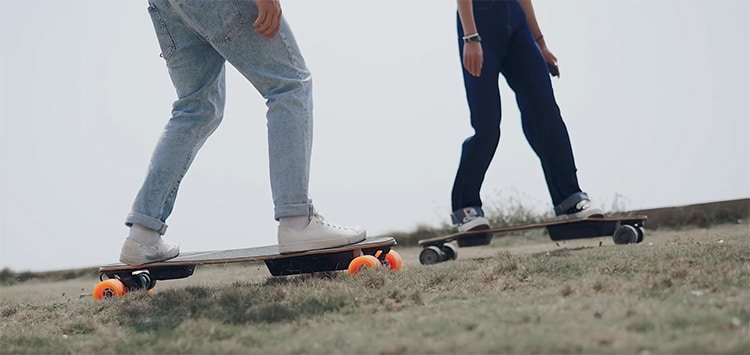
474, 37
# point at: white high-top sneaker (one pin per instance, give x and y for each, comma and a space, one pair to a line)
317, 234
137, 253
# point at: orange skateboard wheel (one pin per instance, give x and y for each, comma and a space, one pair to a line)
394, 260
108, 289
364, 261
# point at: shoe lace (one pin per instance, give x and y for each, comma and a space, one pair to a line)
322, 220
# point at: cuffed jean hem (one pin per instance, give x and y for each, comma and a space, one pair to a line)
302, 209
146, 222
570, 202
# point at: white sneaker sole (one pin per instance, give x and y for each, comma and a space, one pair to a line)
587, 213
140, 260
475, 224
321, 244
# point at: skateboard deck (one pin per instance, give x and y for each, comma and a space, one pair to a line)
133, 277
624, 230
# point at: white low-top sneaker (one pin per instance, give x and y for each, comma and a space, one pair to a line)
583, 209
135, 253
318, 234
474, 223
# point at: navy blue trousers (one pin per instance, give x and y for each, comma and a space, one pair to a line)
510, 49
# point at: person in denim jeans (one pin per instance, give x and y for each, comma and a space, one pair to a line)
196, 39
502, 36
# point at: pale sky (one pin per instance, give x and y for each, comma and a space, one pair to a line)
655, 94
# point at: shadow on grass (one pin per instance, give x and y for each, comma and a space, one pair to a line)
277, 300
242, 303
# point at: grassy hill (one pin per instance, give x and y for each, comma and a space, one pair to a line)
682, 290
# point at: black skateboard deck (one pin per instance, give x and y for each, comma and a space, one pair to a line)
321, 260
624, 230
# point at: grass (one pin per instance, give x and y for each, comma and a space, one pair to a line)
680, 291
10, 277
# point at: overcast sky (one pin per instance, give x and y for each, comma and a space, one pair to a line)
655, 94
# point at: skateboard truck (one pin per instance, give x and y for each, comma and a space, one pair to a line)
144, 279
321, 262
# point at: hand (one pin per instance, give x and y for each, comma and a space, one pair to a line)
473, 58
549, 58
269, 17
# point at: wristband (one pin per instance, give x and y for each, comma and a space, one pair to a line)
472, 38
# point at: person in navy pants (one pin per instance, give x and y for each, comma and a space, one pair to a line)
503, 37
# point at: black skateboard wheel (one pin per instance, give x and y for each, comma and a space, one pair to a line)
432, 255
625, 234
450, 250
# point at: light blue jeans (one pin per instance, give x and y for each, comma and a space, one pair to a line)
196, 38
